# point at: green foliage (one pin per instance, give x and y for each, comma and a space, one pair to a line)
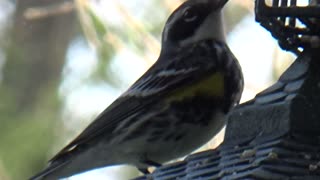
24, 140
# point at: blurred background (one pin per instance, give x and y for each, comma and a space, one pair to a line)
62, 62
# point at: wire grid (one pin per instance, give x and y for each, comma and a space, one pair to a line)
295, 27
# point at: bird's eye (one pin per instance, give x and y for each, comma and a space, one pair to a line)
189, 15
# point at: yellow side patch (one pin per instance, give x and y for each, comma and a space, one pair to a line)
211, 86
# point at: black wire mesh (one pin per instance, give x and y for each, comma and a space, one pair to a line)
295, 27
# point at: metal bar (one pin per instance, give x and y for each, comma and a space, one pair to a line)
275, 3
303, 12
284, 3
293, 2
292, 20
281, 20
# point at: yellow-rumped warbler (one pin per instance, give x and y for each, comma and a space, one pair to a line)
179, 104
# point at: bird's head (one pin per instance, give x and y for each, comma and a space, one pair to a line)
193, 21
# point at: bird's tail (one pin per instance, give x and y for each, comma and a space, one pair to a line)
47, 173
73, 163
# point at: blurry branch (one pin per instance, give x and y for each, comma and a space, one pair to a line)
247, 4
93, 28
99, 32
99, 37
172, 4
34, 13
150, 42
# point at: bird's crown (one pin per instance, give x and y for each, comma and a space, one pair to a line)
193, 21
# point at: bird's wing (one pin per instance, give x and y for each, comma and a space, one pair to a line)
147, 90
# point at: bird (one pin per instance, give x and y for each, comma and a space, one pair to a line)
176, 106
